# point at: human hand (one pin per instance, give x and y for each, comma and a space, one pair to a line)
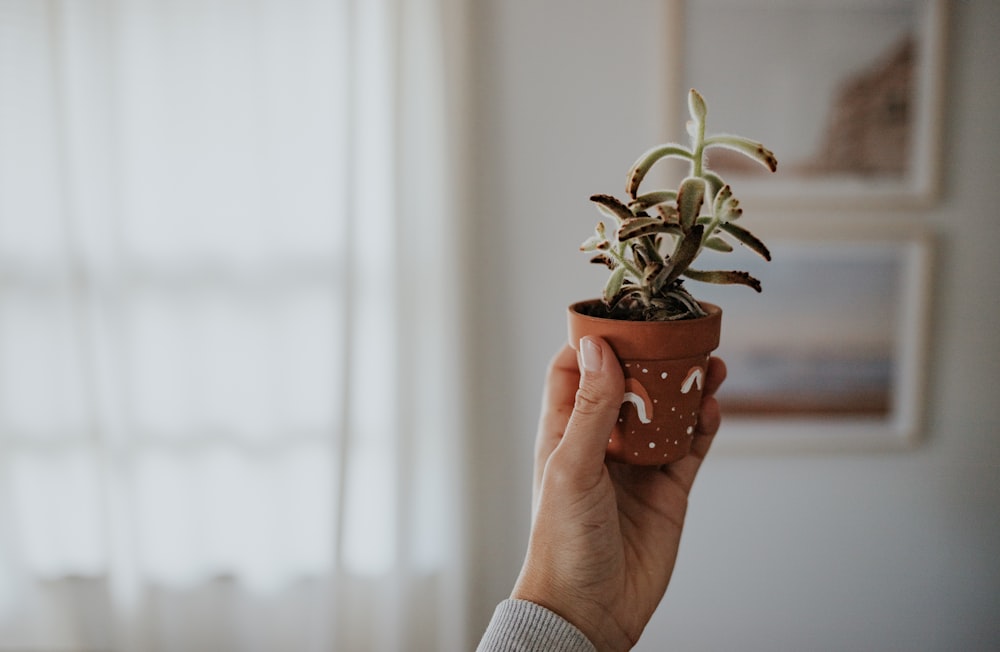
604, 536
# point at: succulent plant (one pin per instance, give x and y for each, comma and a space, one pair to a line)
657, 235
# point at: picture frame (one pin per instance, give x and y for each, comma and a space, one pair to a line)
847, 93
831, 356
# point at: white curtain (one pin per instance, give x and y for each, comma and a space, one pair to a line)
230, 375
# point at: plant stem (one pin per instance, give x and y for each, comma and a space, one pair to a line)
625, 263
652, 252
709, 230
697, 160
698, 170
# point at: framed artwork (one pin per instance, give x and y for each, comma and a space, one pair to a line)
847, 93
831, 355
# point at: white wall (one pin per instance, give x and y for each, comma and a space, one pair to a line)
793, 552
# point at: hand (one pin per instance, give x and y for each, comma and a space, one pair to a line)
604, 536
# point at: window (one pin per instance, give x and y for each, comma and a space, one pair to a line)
203, 279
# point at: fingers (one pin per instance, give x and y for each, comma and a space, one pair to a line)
683, 471
710, 415
582, 408
715, 375
595, 408
709, 421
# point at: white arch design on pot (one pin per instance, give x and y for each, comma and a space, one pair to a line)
636, 394
695, 376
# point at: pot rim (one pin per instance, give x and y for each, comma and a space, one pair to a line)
649, 340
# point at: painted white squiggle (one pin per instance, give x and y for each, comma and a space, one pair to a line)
695, 377
640, 405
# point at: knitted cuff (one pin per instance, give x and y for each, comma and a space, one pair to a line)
522, 626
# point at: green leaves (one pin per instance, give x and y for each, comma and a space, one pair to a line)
597, 241
643, 226
685, 253
646, 161
601, 259
726, 207
745, 146
690, 199
615, 282
611, 207
647, 201
718, 244
696, 106
725, 278
748, 239
657, 235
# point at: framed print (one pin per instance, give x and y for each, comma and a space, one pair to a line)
847, 93
831, 355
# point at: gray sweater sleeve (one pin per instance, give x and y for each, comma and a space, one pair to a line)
522, 626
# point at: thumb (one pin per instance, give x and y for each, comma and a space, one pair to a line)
595, 410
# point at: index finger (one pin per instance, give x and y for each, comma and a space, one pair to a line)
715, 375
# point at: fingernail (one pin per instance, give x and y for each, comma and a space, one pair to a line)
590, 354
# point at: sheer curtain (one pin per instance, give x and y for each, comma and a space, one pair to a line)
230, 397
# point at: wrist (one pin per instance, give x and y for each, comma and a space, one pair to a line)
591, 619
525, 625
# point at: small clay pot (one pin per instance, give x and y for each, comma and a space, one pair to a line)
665, 363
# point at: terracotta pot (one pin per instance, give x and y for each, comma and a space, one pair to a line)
665, 365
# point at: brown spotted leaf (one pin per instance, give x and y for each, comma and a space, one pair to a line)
610, 206
670, 215
748, 239
607, 261
718, 244
686, 252
614, 284
724, 278
646, 161
650, 199
745, 146
641, 226
690, 199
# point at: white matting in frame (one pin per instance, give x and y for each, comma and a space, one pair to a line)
847, 93
831, 355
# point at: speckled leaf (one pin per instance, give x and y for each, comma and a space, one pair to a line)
718, 244
659, 279
614, 284
607, 261
639, 256
640, 226
650, 199
611, 207
690, 199
646, 161
726, 207
696, 105
649, 271
724, 278
627, 291
670, 215
745, 146
720, 198
594, 242
748, 239
686, 252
